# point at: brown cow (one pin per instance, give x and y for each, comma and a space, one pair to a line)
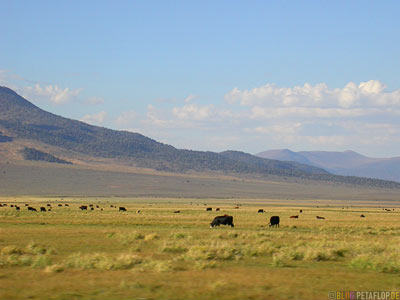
294, 217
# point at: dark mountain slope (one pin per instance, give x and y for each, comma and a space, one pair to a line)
21, 119
347, 163
25, 120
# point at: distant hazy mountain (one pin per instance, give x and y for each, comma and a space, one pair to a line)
22, 121
348, 163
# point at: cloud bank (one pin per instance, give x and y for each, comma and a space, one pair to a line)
51, 93
360, 116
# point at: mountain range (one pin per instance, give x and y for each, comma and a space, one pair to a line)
28, 132
347, 163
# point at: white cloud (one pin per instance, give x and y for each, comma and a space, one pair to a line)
365, 94
51, 93
189, 98
127, 118
300, 117
95, 119
193, 112
259, 112
95, 101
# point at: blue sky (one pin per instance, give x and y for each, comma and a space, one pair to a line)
214, 75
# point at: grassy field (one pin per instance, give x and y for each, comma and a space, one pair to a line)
158, 254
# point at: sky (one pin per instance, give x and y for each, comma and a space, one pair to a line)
214, 75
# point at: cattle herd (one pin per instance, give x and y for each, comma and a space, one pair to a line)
217, 221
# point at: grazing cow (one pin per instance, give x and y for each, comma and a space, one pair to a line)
217, 209
12, 205
294, 217
42, 209
274, 221
222, 220
209, 209
48, 204
320, 218
17, 208
26, 204
83, 207
260, 211
60, 205
122, 208
31, 208
362, 216
91, 205
92, 208
177, 212
66, 205
236, 207
111, 205
301, 210
139, 211
97, 206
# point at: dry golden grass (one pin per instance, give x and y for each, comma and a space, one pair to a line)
157, 254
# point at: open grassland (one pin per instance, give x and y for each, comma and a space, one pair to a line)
158, 254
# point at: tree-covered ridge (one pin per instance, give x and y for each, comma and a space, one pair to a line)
4, 138
33, 154
24, 120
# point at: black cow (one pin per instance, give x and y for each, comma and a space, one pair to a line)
83, 207
274, 221
209, 209
31, 208
42, 209
48, 204
217, 209
59, 205
320, 218
222, 220
362, 216
301, 210
175, 212
17, 208
122, 208
260, 211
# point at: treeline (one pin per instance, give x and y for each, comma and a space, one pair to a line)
33, 154
4, 138
24, 120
